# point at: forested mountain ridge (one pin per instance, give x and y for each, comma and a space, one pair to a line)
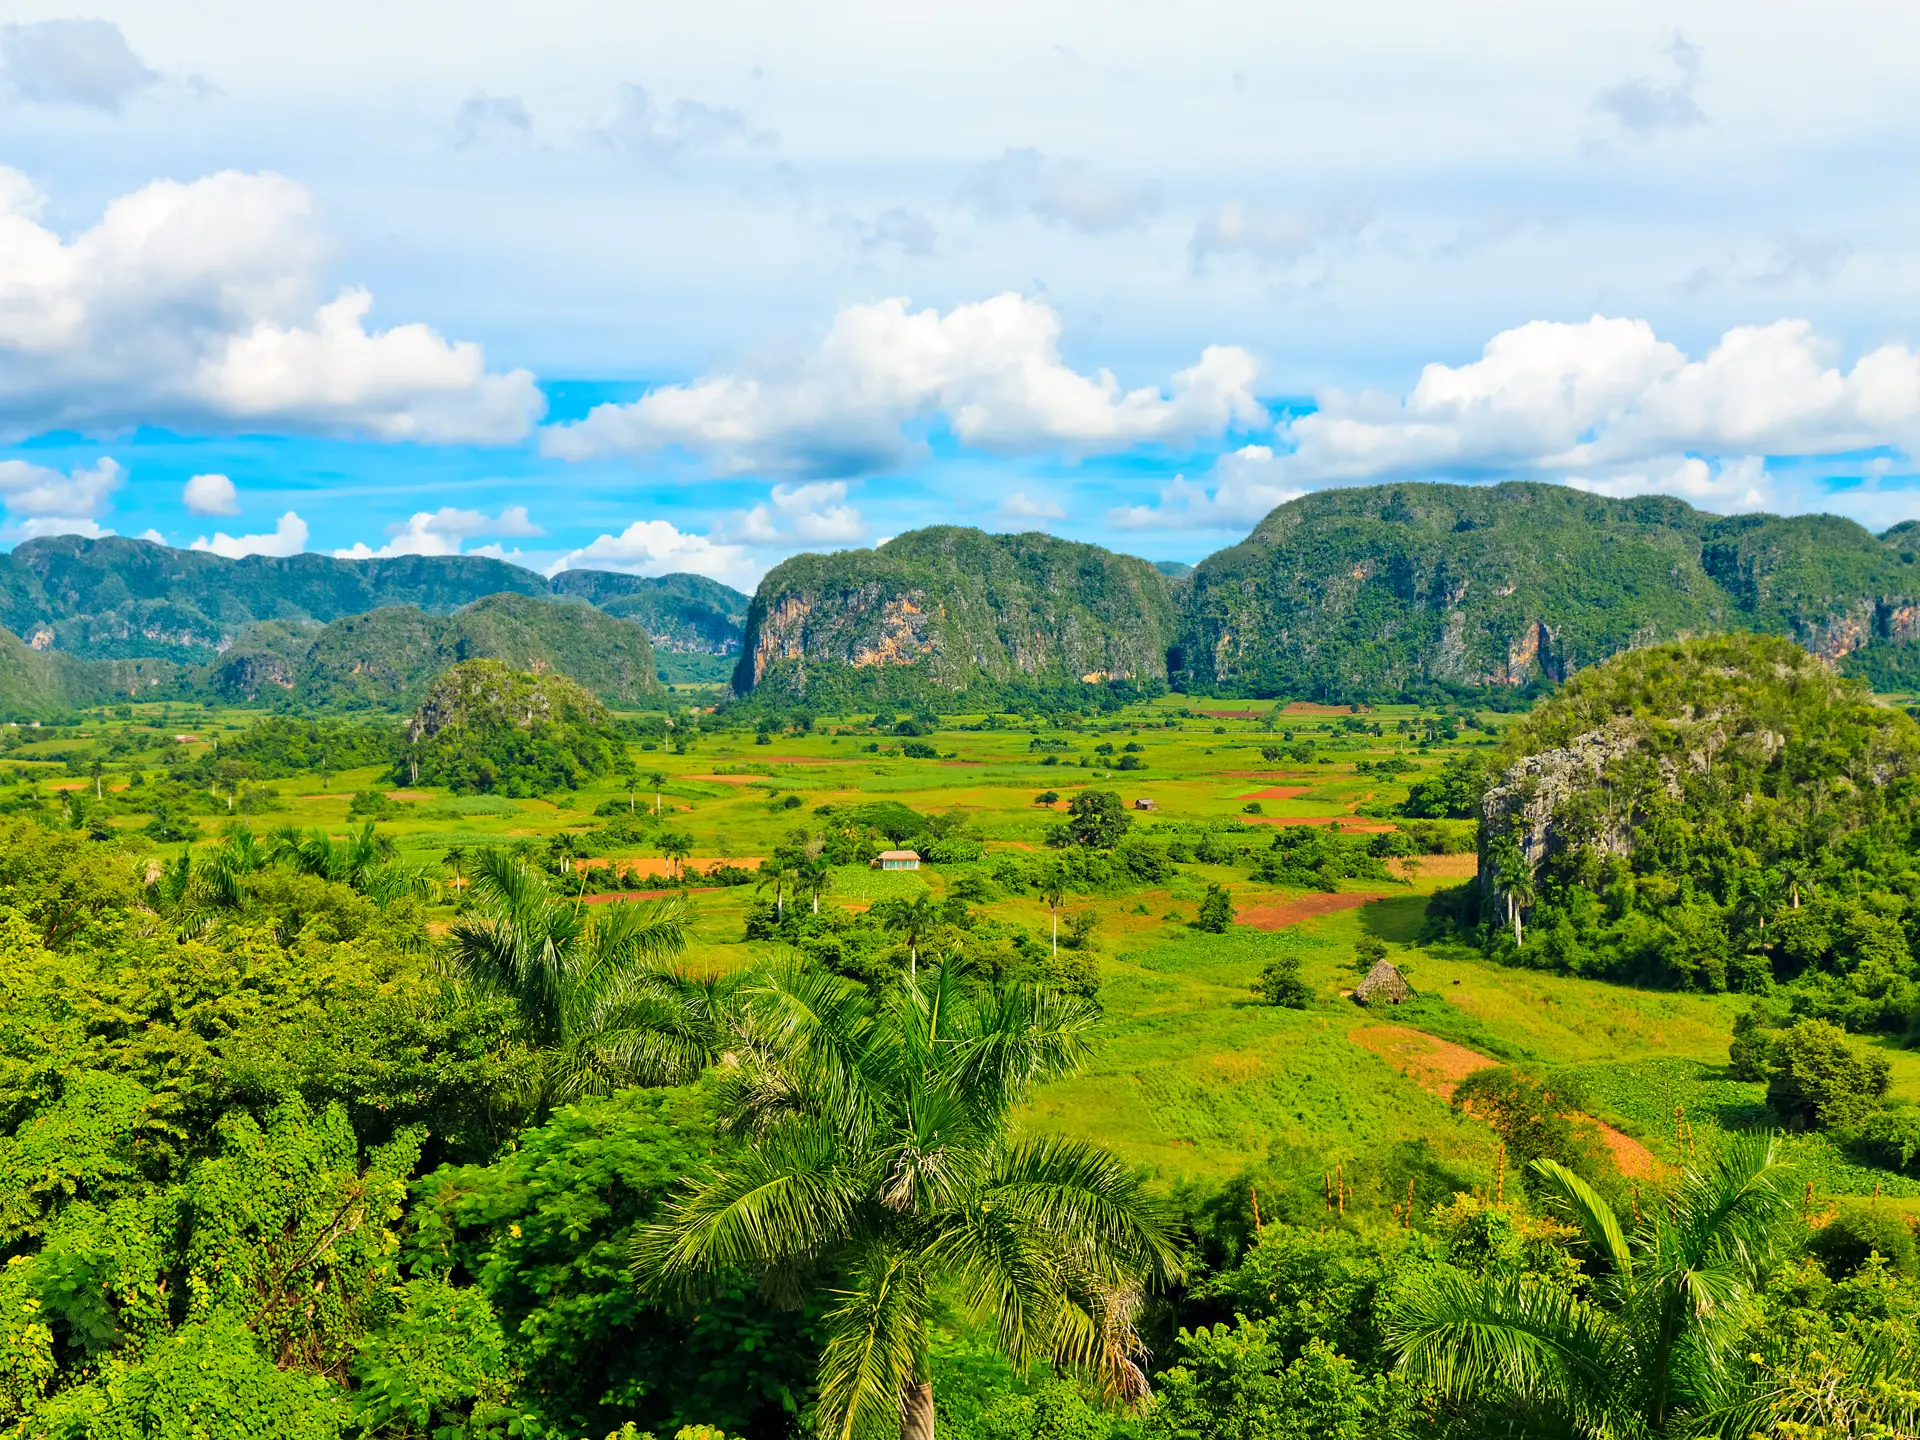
1350, 593
387, 658
948, 607
116, 598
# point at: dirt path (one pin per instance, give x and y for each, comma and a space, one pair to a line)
1440, 1065
1283, 913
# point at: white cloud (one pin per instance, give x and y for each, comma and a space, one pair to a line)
1245, 489
42, 501
482, 119
154, 535
656, 547
71, 62
196, 306
289, 537
1725, 487
800, 514
1058, 192
991, 368
440, 532
1644, 106
1567, 398
662, 134
1276, 237
210, 495
1022, 506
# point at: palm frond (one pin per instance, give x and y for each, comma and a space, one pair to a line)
1579, 1203
783, 1201
1468, 1337
876, 1334
1085, 1200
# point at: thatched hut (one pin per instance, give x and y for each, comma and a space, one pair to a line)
1383, 984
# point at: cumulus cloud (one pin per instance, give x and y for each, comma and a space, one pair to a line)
1549, 396
661, 134
442, 532
1245, 488
210, 495
42, 501
992, 369
1643, 106
657, 547
197, 307
483, 119
71, 62
1276, 237
1723, 486
1022, 506
814, 514
1056, 192
289, 537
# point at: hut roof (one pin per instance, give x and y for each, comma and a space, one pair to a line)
1383, 982
899, 855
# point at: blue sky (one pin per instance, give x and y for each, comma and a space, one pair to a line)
662, 287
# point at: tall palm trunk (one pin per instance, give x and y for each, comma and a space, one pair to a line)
916, 1411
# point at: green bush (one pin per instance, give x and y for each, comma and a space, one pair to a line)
1280, 984
1819, 1080
1845, 1243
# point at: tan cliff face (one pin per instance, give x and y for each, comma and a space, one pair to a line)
890, 630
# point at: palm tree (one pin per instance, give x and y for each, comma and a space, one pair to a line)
776, 871
655, 779
1656, 1349
454, 856
1053, 890
884, 1163
632, 782
1513, 877
814, 873
1798, 875
593, 985
675, 847
914, 919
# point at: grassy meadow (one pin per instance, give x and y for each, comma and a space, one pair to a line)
1195, 1076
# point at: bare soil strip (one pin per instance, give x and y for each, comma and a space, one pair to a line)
1440, 1065
1347, 823
1277, 792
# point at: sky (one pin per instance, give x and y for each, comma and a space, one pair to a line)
658, 287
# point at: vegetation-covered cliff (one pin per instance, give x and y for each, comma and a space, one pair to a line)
685, 614
949, 609
1721, 813
488, 727
1353, 593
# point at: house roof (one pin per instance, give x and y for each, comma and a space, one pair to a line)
1383, 979
899, 854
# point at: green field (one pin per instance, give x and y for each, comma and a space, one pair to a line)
1194, 1077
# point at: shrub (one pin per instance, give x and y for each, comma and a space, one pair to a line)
1819, 1080
1216, 911
1845, 1242
1280, 984
1046, 797
919, 750
1891, 1140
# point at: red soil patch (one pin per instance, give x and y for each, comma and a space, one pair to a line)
1277, 792
1347, 823
1283, 913
1232, 714
408, 795
1440, 1065
1308, 707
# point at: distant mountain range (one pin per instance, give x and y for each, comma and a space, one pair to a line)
1341, 595
114, 616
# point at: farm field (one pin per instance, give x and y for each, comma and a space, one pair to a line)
1195, 1076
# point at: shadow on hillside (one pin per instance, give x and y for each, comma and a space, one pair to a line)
1397, 920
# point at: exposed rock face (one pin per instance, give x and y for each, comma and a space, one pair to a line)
948, 606
1348, 593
